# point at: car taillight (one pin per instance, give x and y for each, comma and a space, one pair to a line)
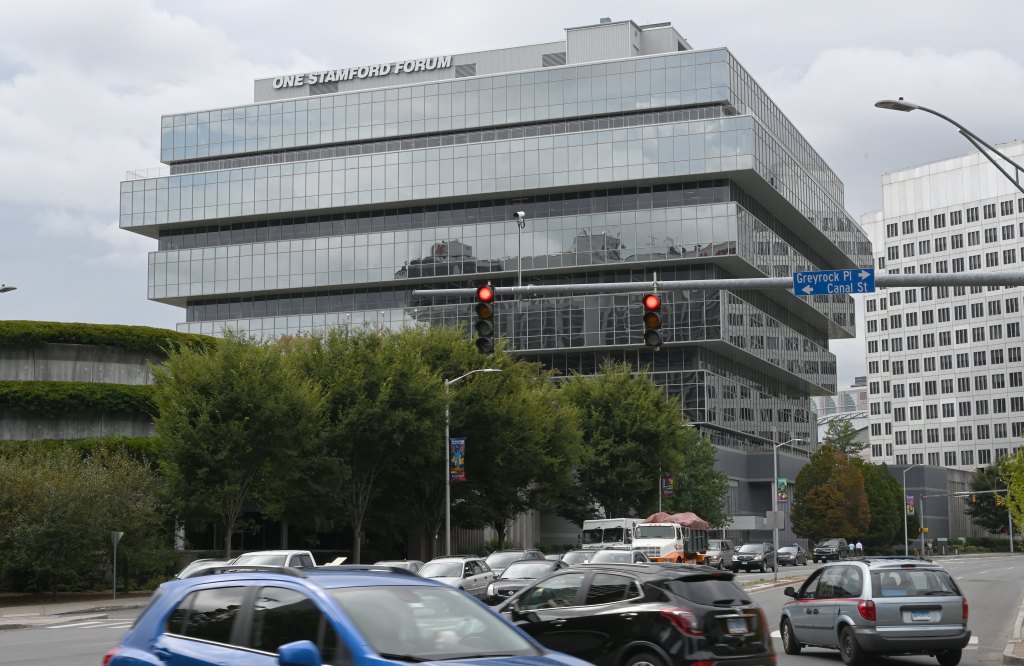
965, 609
684, 620
866, 608
763, 619
110, 655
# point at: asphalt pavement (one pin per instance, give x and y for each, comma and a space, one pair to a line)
48, 614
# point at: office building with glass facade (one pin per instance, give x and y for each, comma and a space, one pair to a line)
945, 369
333, 196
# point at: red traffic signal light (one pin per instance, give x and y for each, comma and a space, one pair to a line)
652, 320
485, 319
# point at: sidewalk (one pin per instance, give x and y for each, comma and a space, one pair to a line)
46, 614
1014, 652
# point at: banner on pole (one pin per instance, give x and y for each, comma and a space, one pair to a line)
782, 490
457, 468
910, 505
667, 485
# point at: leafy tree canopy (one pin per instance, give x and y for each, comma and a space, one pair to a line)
885, 501
842, 436
830, 500
988, 510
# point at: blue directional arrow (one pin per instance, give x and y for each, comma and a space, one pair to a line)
844, 281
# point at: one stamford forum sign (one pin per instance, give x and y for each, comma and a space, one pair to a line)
364, 72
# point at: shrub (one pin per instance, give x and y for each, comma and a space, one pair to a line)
32, 334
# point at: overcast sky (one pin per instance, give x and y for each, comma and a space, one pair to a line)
83, 86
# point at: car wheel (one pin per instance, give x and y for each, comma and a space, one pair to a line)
643, 659
789, 642
764, 567
735, 569
721, 565
949, 657
849, 648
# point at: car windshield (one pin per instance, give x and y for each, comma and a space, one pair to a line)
528, 569
502, 560
654, 532
421, 623
829, 544
914, 583
788, 549
450, 569
714, 544
401, 564
709, 590
198, 564
578, 556
262, 558
751, 548
615, 556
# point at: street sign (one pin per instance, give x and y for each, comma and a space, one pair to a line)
846, 281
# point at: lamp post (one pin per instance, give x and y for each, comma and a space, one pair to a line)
4, 288
521, 222
979, 143
447, 457
775, 503
906, 540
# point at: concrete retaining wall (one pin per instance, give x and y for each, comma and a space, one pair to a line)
27, 427
77, 363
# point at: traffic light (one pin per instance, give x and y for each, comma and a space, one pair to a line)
652, 320
974, 498
999, 499
485, 319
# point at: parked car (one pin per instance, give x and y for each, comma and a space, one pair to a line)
578, 556
651, 614
469, 573
518, 575
299, 559
830, 550
620, 556
752, 556
325, 615
196, 565
719, 554
792, 555
500, 559
409, 565
878, 606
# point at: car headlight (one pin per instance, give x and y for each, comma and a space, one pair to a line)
490, 590
757, 557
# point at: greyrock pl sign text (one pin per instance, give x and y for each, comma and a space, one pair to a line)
364, 72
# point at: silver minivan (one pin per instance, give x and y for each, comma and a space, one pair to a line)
878, 605
719, 553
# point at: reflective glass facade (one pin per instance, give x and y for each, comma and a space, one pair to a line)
328, 211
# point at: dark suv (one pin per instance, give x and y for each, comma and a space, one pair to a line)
654, 614
830, 549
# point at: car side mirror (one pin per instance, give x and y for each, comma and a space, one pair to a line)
299, 653
790, 592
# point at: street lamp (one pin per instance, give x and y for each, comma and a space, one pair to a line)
906, 540
4, 288
979, 143
447, 457
775, 503
521, 222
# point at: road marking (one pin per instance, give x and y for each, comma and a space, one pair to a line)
97, 624
75, 624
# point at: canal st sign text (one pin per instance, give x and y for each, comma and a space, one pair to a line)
847, 281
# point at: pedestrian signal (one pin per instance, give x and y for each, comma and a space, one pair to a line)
652, 320
485, 319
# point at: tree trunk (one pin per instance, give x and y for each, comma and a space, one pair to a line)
357, 541
229, 531
499, 529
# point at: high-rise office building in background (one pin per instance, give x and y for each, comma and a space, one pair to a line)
337, 193
945, 372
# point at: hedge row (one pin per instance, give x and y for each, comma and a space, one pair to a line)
32, 334
54, 398
140, 447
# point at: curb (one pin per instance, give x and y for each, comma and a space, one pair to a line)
57, 618
1010, 654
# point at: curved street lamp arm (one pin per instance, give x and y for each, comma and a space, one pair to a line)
978, 143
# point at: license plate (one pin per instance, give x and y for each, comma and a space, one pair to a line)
737, 625
920, 616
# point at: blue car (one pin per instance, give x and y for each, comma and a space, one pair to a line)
344, 616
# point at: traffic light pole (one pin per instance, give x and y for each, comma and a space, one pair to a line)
973, 279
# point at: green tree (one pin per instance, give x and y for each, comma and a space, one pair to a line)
58, 507
988, 511
698, 486
830, 498
885, 501
1013, 472
383, 403
632, 433
522, 443
842, 436
234, 420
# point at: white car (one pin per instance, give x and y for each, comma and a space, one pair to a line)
465, 573
299, 559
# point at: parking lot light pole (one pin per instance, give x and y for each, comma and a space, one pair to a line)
775, 503
906, 538
447, 457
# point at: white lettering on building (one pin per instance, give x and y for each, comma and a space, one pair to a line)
364, 72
